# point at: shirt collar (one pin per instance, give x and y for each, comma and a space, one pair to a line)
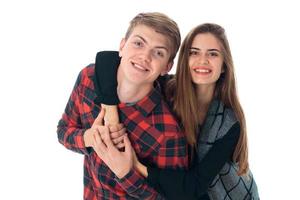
146, 104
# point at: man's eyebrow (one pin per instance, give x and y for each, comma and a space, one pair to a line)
145, 41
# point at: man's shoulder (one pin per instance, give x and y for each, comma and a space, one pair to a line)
85, 77
88, 71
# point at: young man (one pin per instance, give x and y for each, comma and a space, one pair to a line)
147, 51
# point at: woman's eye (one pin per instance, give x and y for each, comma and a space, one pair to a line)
213, 54
193, 53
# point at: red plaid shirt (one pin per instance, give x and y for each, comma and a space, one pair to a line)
153, 132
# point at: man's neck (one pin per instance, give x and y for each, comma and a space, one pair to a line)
129, 93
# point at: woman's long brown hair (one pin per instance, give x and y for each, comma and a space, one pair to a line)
183, 92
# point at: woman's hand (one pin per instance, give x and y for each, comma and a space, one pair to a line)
117, 130
117, 133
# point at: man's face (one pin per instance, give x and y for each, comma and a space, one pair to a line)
145, 55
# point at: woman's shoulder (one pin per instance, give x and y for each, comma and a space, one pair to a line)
219, 120
229, 115
231, 125
217, 107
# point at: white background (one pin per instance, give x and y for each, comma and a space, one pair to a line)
44, 45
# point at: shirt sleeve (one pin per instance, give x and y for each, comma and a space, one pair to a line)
136, 186
192, 184
69, 129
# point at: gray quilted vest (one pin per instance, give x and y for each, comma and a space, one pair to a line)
227, 184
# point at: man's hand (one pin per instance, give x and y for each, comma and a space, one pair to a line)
119, 162
89, 133
117, 132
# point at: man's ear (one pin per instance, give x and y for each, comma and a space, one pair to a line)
167, 68
122, 44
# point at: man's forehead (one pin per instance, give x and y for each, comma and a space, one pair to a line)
150, 35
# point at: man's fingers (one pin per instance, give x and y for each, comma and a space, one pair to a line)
103, 132
99, 146
105, 136
128, 147
100, 117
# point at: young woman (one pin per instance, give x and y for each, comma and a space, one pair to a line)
204, 99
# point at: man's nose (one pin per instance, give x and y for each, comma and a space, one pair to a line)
146, 55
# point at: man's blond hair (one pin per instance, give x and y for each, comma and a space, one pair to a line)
161, 23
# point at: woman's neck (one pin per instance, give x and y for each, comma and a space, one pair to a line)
205, 95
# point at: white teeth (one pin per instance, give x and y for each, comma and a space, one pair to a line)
140, 67
202, 70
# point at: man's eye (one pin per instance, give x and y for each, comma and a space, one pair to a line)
159, 53
138, 43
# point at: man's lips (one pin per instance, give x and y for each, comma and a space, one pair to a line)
139, 66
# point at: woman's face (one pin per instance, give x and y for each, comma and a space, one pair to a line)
205, 59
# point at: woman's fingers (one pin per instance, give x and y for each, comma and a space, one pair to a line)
118, 133
118, 140
120, 146
116, 127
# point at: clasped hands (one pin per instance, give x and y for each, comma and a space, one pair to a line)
107, 141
